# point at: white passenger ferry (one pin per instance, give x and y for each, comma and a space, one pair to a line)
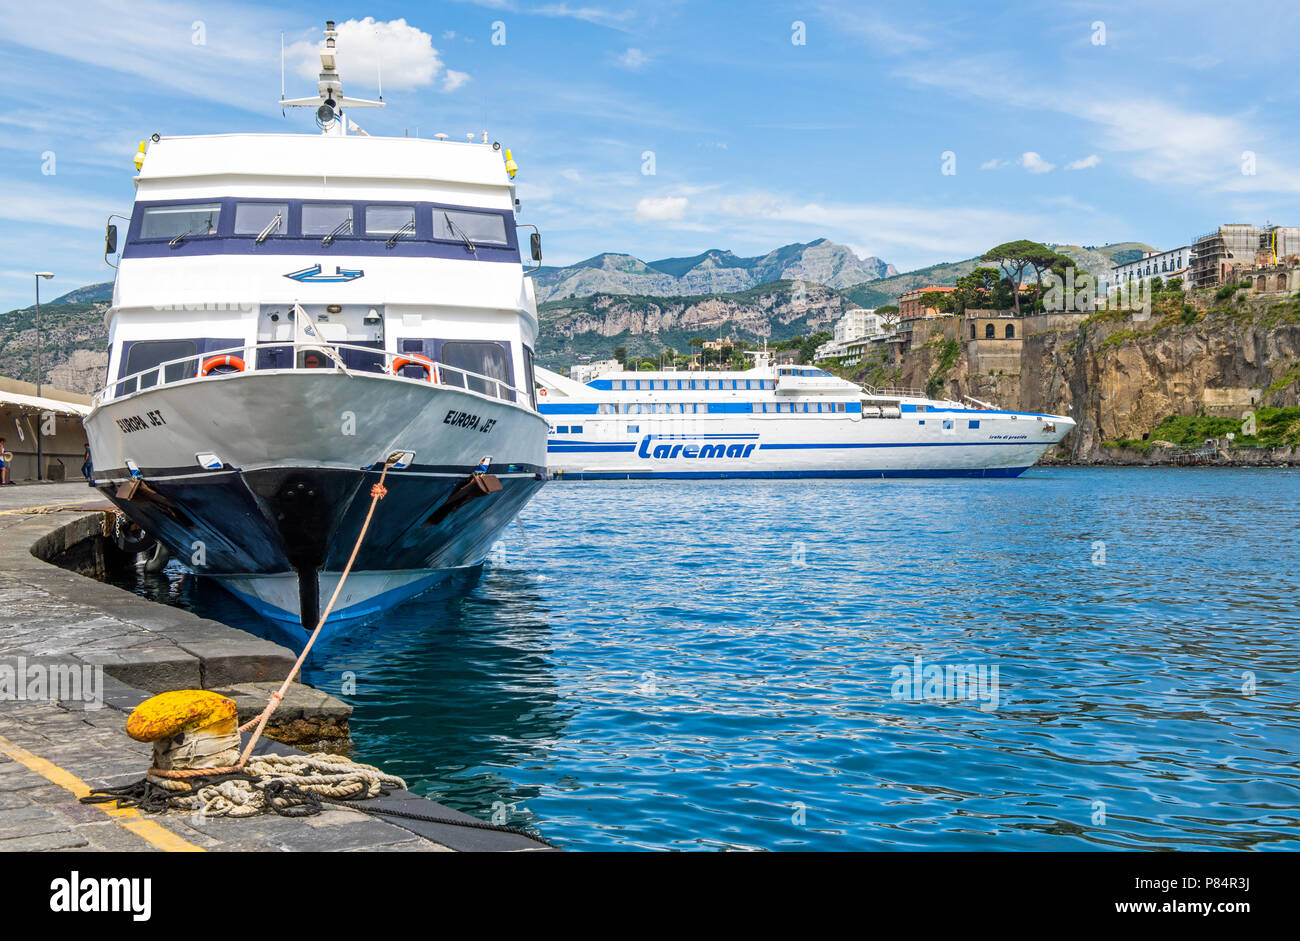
778, 421
292, 313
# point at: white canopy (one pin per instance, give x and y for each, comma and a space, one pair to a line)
44, 404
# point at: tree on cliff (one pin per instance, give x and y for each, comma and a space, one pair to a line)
1014, 257
974, 289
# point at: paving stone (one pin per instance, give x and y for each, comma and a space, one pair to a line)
64, 839
59, 617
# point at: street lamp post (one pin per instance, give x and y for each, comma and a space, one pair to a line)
40, 455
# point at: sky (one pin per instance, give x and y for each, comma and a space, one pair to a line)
917, 132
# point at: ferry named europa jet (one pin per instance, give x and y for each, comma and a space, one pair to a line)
294, 313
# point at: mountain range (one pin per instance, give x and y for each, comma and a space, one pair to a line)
713, 272
589, 308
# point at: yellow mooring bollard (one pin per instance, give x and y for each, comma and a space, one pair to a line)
189, 728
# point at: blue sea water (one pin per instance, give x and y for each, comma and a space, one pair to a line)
728, 665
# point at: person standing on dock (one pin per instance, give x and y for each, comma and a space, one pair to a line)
4, 465
87, 469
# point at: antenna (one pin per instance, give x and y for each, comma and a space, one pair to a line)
330, 101
379, 68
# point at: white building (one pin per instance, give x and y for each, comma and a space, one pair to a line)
855, 326
585, 372
1174, 263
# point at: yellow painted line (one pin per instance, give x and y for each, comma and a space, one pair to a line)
126, 817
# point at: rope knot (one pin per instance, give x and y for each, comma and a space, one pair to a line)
379, 491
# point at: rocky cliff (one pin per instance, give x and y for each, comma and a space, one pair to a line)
713, 272
73, 345
594, 326
1123, 379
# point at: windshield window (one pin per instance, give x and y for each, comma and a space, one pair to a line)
486, 359
166, 222
324, 218
387, 220
486, 227
147, 353
252, 218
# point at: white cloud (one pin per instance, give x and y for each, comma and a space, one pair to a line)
661, 208
1087, 163
992, 164
633, 59
1166, 143
621, 20
900, 234
1034, 163
406, 53
869, 25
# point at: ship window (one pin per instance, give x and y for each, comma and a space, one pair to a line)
148, 353
167, 222
530, 380
324, 218
633, 429
973, 423
389, 220
561, 429
485, 227
486, 359
576, 430
252, 218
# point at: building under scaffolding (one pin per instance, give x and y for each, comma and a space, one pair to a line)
1237, 246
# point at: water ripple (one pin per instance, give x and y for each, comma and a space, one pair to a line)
707, 665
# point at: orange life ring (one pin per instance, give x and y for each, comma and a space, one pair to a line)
541, 391
415, 359
216, 361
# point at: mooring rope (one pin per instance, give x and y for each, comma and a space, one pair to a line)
258, 724
288, 785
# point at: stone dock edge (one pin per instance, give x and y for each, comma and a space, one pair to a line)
50, 613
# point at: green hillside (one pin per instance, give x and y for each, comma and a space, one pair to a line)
1095, 258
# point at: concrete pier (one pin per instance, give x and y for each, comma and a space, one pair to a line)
52, 751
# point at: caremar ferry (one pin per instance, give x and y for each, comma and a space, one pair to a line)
293, 312
778, 421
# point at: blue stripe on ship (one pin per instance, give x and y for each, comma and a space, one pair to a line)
792, 474
889, 444
566, 447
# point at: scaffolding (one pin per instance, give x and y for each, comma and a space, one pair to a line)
1240, 245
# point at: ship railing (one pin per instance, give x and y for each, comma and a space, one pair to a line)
894, 392
371, 361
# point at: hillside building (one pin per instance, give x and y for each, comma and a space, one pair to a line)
1223, 254
854, 333
1174, 263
